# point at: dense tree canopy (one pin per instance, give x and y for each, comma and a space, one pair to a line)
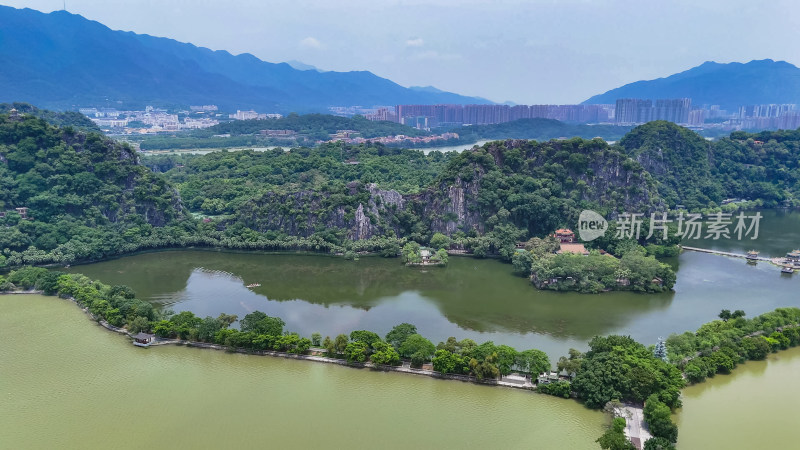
399, 333
619, 368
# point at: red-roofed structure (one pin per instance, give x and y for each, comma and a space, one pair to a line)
565, 236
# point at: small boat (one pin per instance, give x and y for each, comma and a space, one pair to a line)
787, 269
253, 285
752, 255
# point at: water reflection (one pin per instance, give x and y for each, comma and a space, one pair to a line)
479, 299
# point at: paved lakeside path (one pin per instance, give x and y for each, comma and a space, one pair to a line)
635, 429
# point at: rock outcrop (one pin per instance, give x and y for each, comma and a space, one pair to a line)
477, 185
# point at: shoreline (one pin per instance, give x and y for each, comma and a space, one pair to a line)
526, 385
200, 248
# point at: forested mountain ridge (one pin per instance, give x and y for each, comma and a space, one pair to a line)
697, 173
679, 159
221, 182
90, 198
505, 191
83, 191
763, 166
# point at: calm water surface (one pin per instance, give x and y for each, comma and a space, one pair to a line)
478, 299
752, 408
67, 383
71, 379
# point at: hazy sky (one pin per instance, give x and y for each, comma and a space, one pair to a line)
535, 51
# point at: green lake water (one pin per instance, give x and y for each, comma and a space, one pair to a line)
67, 383
68, 363
471, 298
749, 409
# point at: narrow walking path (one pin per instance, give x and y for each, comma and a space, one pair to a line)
635, 428
778, 261
731, 254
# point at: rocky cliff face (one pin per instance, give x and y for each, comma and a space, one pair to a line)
361, 211
525, 178
450, 207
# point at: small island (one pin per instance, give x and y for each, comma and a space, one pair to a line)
559, 263
417, 255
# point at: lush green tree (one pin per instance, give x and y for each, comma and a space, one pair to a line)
445, 361
398, 335
533, 361
485, 369
340, 344
572, 363
697, 370
614, 438
367, 337
658, 443
207, 329
416, 344
356, 352
139, 324
49, 282
261, 323
384, 354
619, 368
302, 346
411, 253
329, 346
27, 277
541, 247
439, 241
441, 257
558, 389
185, 324
658, 418
165, 329
316, 339
506, 358
418, 359
522, 262
757, 348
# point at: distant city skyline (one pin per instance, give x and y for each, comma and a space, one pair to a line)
529, 52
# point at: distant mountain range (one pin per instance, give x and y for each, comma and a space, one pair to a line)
728, 85
62, 60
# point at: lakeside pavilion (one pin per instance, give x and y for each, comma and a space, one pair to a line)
143, 339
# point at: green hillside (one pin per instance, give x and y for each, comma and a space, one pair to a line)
84, 192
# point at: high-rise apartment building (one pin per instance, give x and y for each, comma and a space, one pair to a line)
455, 115
637, 110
